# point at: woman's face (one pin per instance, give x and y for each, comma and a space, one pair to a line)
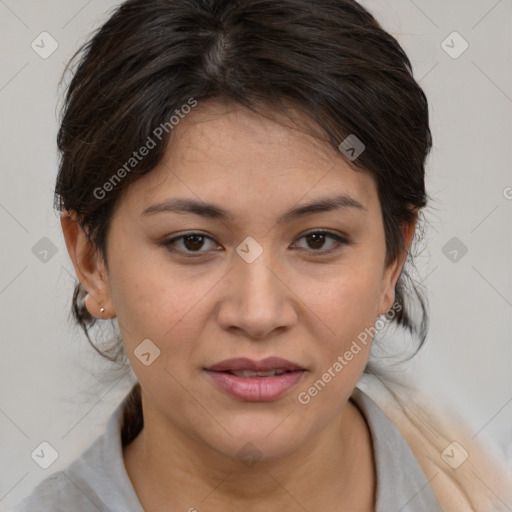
252, 283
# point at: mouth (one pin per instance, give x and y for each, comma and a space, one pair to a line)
255, 381
248, 374
241, 364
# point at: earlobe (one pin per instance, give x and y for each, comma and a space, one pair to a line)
394, 269
390, 278
95, 308
89, 266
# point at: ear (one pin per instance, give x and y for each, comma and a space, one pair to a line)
89, 266
393, 270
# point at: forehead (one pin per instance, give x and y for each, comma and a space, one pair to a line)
233, 156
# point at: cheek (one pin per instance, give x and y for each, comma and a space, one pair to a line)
345, 308
140, 296
152, 305
154, 301
346, 312
346, 303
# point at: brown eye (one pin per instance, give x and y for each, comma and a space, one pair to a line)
315, 240
193, 242
189, 243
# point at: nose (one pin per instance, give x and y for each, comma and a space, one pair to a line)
256, 298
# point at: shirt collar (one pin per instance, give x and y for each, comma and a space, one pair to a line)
401, 484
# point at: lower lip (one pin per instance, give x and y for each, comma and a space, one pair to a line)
256, 389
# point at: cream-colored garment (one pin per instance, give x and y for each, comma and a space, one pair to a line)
481, 483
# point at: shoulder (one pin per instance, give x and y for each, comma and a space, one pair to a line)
57, 493
401, 482
95, 481
463, 471
82, 485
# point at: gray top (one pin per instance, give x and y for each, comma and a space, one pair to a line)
98, 481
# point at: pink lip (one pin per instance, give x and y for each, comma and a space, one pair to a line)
255, 389
265, 365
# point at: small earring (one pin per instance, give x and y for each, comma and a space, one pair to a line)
102, 310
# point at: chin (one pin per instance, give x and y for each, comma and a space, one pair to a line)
261, 436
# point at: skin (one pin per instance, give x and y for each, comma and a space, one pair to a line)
290, 302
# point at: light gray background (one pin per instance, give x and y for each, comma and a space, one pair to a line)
52, 385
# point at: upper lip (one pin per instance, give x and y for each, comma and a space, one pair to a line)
265, 365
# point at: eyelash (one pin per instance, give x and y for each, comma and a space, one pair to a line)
340, 240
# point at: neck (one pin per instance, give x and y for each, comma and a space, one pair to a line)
334, 471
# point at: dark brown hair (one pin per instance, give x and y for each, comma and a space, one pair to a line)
329, 58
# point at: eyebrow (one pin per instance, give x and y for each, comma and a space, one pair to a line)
213, 211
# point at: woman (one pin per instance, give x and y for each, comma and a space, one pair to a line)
240, 184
